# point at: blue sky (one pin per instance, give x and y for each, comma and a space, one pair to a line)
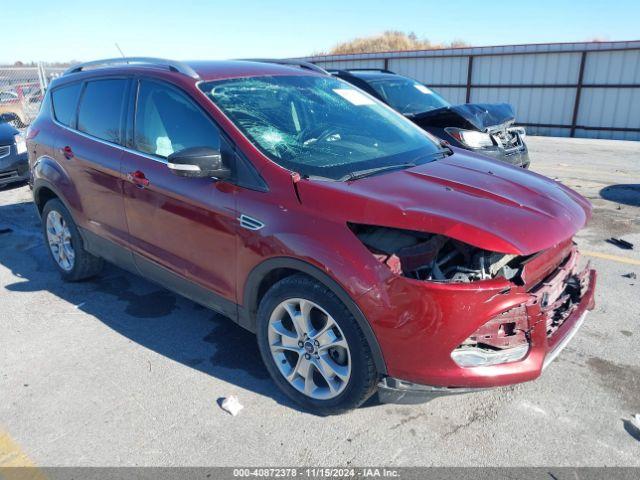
61, 30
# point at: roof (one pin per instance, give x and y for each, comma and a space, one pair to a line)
219, 69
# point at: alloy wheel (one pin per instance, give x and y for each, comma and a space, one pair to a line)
59, 239
309, 349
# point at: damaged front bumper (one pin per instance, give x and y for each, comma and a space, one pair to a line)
556, 303
518, 157
394, 390
510, 145
14, 167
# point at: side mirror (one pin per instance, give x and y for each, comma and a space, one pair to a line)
198, 162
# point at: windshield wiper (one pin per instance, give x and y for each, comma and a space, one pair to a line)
443, 152
372, 171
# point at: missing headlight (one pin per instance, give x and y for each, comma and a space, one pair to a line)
425, 256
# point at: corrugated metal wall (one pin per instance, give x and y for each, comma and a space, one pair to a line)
568, 89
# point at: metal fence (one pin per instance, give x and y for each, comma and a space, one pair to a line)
561, 89
22, 90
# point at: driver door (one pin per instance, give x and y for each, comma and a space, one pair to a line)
186, 226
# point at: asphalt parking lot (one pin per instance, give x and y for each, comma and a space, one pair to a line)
118, 371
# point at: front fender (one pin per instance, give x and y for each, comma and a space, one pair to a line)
262, 270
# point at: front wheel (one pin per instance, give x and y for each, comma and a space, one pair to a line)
313, 347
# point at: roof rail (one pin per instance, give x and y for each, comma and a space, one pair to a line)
292, 63
341, 71
381, 70
172, 65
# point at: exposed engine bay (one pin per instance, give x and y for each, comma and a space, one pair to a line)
425, 256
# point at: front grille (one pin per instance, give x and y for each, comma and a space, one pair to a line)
7, 175
5, 150
507, 138
561, 292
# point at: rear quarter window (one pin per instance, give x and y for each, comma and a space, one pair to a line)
101, 109
65, 101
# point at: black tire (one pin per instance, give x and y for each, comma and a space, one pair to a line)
363, 380
85, 265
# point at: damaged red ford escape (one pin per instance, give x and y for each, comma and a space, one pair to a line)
364, 254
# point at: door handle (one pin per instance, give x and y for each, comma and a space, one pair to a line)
138, 179
67, 152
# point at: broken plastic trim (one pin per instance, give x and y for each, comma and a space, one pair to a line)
503, 339
433, 257
395, 390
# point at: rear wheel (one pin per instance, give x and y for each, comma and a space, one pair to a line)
65, 244
313, 347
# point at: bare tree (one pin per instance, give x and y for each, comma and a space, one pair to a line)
389, 40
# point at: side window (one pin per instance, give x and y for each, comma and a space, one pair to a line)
65, 101
168, 121
101, 109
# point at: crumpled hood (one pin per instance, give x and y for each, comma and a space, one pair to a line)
470, 116
478, 201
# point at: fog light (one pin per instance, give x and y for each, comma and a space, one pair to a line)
502, 339
480, 357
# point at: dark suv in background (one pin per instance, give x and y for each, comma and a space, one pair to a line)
364, 254
479, 127
14, 165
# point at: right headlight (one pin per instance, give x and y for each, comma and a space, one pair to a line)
470, 138
433, 257
21, 145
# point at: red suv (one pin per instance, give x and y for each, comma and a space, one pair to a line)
363, 253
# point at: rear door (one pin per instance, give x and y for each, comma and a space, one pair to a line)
187, 225
89, 149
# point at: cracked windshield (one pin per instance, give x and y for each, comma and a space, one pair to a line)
320, 126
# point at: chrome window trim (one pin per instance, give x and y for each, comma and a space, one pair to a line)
223, 134
110, 144
121, 147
